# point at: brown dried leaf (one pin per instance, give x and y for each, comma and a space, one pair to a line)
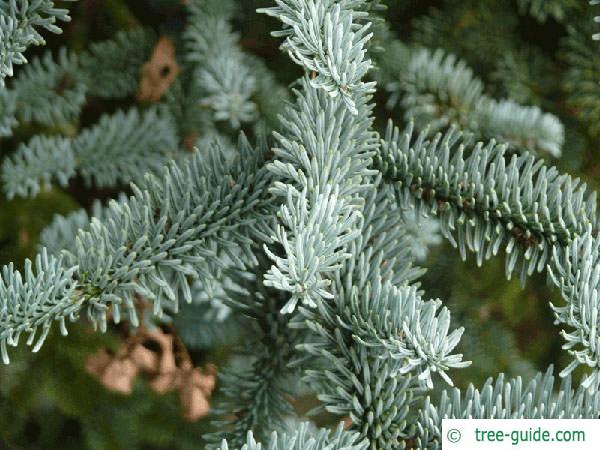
145, 359
207, 380
159, 72
166, 382
193, 398
119, 375
96, 363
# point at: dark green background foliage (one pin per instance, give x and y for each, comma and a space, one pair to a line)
533, 52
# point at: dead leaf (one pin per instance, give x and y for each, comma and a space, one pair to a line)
159, 72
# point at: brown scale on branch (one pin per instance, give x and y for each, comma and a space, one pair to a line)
525, 238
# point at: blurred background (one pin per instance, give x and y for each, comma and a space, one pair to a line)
533, 52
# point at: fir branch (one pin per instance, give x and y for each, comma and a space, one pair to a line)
304, 438
19, 21
120, 148
511, 399
576, 272
202, 324
112, 67
323, 154
51, 92
325, 148
223, 75
36, 164
8, 107
154, 244
256, 397
325, 39
489, 199
438, 90
124, 146
33, 301
376, 333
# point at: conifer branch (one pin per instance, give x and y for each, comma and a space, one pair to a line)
438, 90
322, 161
325, 38
8, 108
154, 245
377, 337
223, 75
486, 198
36, 164
304, 438
119, 149
510, 399
576, 272
112, 68
19, 24
51, 92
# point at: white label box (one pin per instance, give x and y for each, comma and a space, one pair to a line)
520, 434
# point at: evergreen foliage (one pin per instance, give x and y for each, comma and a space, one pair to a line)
119, 149
488, 200
512, 399
278, 231
438, 91
50, 92
20, 28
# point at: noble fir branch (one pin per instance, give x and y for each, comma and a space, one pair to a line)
304, 438
380, 343
119, 149
49, 291
486, 198
322, 166
255, 394
438, 90
202, 324
226, 82
322, 161
61, 234
50, 92
112, 68
8, 108
541, 10
122, 147
20, 26
510, 399
576, 272
36, 164
324, 149
325, 38
580, 53
154, 245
